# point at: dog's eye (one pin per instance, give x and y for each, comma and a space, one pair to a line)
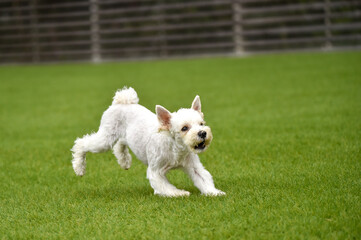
185, 128
201, 124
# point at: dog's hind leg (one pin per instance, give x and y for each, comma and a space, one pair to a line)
96, 142
122, 154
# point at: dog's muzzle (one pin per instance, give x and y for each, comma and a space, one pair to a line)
201, 145
202, 140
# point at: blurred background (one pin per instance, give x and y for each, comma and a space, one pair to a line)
39, 31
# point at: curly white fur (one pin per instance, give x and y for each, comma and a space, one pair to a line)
163, 141
126, 96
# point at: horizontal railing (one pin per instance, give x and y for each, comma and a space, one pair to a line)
101, 30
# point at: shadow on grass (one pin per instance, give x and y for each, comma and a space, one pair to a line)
114, 192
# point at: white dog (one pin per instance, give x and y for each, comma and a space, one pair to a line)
163, 141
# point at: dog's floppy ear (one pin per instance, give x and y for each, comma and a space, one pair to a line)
163, 117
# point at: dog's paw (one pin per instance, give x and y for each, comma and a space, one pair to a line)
79, 169
215, 193
175, 193
182, 193
125, 161
125, 165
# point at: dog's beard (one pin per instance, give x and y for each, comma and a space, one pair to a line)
196, 144
201, 146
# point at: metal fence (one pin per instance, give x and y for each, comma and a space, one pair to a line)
104, 30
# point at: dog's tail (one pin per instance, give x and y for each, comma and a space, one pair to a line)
125, 96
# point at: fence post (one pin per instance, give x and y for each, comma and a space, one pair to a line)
237, 28
94, 31
34, 31
327, 21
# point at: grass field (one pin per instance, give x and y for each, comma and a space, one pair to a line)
286, 150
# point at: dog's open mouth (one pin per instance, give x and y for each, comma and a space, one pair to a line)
200, 145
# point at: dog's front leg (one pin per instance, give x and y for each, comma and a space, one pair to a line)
161, 185
201, 177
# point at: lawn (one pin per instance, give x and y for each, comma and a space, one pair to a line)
286, 150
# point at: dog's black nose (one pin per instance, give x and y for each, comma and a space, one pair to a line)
202, 134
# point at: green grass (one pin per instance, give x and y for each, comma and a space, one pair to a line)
286, 149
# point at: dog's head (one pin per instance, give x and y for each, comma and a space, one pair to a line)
187, 126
